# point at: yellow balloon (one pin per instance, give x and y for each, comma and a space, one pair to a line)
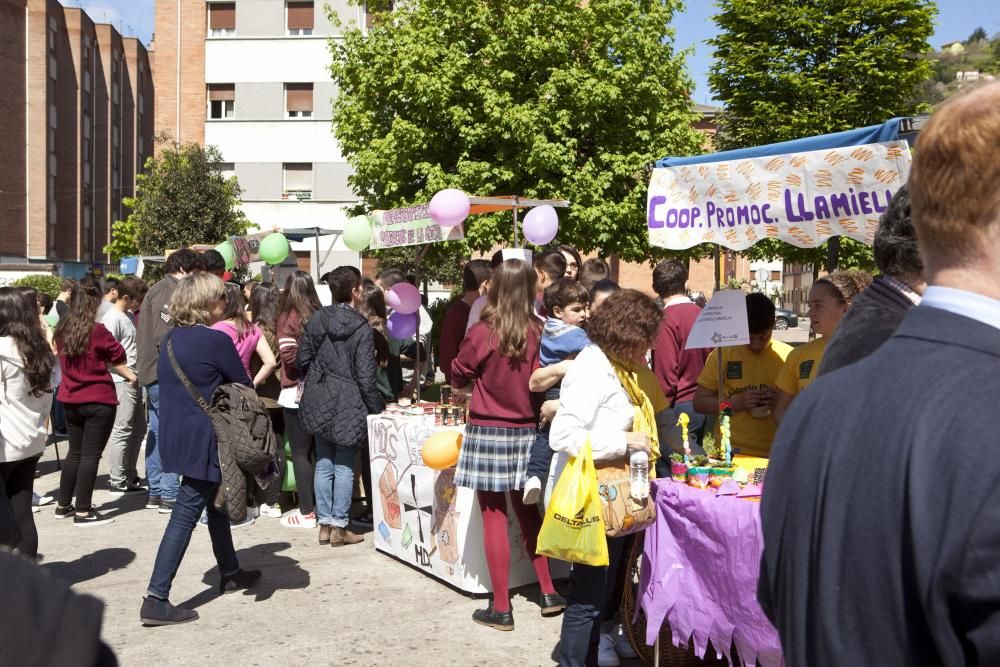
440, 451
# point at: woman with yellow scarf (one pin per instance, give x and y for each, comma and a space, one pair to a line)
611, 400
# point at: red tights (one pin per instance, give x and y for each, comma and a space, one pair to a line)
497, 544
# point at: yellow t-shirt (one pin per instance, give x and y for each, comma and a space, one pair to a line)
801, 367
651, 387
743, 370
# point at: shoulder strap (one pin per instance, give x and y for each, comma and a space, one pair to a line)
195, 394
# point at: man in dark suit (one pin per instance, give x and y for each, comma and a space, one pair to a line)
881, 512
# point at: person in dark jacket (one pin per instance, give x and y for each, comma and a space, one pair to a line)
337, 357
188, 444
151, 327
881, 510
876, 313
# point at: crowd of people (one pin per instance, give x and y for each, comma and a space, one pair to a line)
551, 357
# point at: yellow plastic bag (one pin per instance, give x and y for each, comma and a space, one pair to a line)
573, 529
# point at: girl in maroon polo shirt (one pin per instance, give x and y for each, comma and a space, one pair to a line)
499, 354
86, 350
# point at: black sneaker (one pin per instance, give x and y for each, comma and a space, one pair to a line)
240, 580
92, 518
166, 506
141, 481
498, 620
153, 503
160, 612
125, 489
65, 512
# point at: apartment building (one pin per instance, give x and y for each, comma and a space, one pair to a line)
251, 77
76, 124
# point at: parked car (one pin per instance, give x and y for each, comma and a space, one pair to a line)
785, 319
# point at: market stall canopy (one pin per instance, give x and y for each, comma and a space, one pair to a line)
508, 202
802, 191
303, 233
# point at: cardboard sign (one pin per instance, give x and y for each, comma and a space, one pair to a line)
800, 198
722, 322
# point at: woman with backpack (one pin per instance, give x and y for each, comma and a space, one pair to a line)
86, 350
264, 308
25, 401
188, 444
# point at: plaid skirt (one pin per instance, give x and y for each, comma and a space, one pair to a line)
493, 458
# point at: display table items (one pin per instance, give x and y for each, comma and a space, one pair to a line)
421, 518
699, 573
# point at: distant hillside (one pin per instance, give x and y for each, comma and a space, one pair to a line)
960, 64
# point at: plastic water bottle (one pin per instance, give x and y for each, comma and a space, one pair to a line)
638, 465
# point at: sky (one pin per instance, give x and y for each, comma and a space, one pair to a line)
955, 21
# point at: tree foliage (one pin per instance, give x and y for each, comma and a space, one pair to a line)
553, 99
786, 70
44, 284
181, 199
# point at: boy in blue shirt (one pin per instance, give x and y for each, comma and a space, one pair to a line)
568, 305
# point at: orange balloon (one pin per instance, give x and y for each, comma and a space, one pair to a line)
440, 451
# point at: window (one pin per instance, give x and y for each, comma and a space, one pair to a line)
299, 100
227, 169
221, 19
298, 180
300, 18
221, 100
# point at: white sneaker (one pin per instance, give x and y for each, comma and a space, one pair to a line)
269, 511
39, 501
622, 645
606, 654
296, 519
532, 491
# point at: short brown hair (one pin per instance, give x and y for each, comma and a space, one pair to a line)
563, 292
593, 269
475, 273
669, 278
955, 181
626, 325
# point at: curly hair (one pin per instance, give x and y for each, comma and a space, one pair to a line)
846, 285
626, 325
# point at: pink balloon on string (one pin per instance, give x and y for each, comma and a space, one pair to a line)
403, 298
402, 325
540, 224
449, 207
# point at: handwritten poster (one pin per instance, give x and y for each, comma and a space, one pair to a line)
409, 226
800, 198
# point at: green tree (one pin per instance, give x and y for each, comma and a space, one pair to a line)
181, 199
540, 98
786, 70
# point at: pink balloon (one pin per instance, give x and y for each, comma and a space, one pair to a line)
449, 207
402, 325
403, 298
540, 224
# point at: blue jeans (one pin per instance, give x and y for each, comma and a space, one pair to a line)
590, 591
697, 426
541, 455
194, 496
162, 484
334, 482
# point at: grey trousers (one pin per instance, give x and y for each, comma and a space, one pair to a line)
126, 436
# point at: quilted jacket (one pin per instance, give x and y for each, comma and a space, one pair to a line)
337, 356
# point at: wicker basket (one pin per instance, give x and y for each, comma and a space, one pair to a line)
670, 655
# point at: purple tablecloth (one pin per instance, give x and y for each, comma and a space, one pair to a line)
699, 573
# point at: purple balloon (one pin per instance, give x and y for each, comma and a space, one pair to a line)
449, 207
402, 325
403, 298
540, 224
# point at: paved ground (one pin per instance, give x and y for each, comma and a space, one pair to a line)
315, 605
795, 336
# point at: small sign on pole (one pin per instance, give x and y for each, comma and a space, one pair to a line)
722, 322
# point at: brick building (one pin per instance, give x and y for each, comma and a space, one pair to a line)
77, 125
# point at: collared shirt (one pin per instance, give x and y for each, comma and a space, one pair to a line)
962, 302
904, 289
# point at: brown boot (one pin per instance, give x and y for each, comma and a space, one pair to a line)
341, 536
324, 533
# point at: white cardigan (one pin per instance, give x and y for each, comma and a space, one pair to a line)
592, 403
22, 416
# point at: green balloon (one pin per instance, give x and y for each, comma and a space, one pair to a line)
274, 249
358, 233
228, 254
